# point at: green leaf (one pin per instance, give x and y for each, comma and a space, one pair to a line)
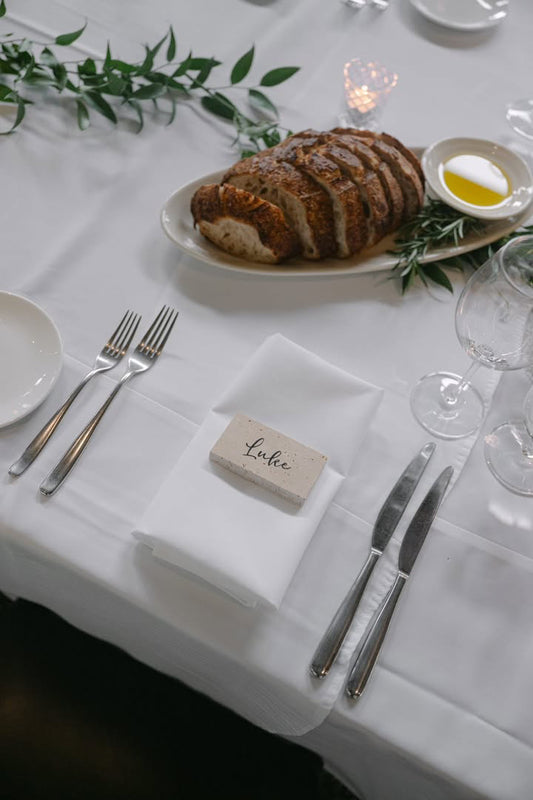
278, 75
272, 138
437, 275
203, 66
261, 103
7, 68
11, 50
173, 111
171, 49
7, 95
67, 38
87, 68
138, 110
60, 74
108, 58
122, 66
242, 67
48, 58
101, 105
83, 115
155, 50
219, 105
180, 87
183, 67
2, 8
115, 86
149, 91
147, 64
29, 70
157, 77
202, 63
21, 111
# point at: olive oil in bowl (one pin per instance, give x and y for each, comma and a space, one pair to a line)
475, 180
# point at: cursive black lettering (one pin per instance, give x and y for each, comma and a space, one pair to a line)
273, 460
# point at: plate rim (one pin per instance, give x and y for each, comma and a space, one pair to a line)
208, 253
6, 422
458, 26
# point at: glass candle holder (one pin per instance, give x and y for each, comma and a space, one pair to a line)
367, 84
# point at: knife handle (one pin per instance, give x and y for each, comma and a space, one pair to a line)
331, 642
371, 645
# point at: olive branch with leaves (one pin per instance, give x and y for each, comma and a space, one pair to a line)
109, 84
439, 225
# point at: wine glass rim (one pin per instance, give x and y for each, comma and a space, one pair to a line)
501, 255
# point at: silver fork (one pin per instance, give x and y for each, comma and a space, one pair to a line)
143, 357
108, 357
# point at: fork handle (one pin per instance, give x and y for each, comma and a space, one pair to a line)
63, 467
38, 442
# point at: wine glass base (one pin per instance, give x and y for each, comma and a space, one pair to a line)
441, 416
509, 456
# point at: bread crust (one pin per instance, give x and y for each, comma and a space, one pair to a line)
215, 208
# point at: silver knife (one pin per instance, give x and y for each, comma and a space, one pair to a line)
386, 522
412, 542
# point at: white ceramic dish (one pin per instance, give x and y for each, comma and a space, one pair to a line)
31, 355
514, 167
177, 223
463, 15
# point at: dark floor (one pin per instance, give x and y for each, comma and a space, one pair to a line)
80, 719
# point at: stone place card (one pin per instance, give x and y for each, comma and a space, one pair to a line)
269, 458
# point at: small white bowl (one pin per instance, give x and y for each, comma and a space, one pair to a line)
514, 167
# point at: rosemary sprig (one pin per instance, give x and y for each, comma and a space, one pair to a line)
438, 224
109, 85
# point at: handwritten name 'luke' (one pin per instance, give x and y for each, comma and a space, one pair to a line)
272, 460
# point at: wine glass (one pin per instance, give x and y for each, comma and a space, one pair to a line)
509, 451
519, 115
494, 324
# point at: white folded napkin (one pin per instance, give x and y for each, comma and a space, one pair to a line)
230, 532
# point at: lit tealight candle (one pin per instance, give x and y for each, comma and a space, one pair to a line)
366, 86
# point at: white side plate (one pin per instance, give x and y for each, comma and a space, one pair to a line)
31, 355
463, 15
177, 223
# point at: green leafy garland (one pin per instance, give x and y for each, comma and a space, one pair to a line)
106, 85
439, 225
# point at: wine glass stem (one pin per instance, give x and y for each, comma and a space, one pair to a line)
524, 442
451, 394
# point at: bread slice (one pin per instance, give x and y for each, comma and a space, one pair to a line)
345, 197
411, 179
242, 224
381, 208
306, 205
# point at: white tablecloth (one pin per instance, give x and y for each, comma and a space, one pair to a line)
446, 713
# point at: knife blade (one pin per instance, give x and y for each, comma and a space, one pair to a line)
385, 525
413, 540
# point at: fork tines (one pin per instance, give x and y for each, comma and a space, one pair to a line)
120, 339
157, 334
